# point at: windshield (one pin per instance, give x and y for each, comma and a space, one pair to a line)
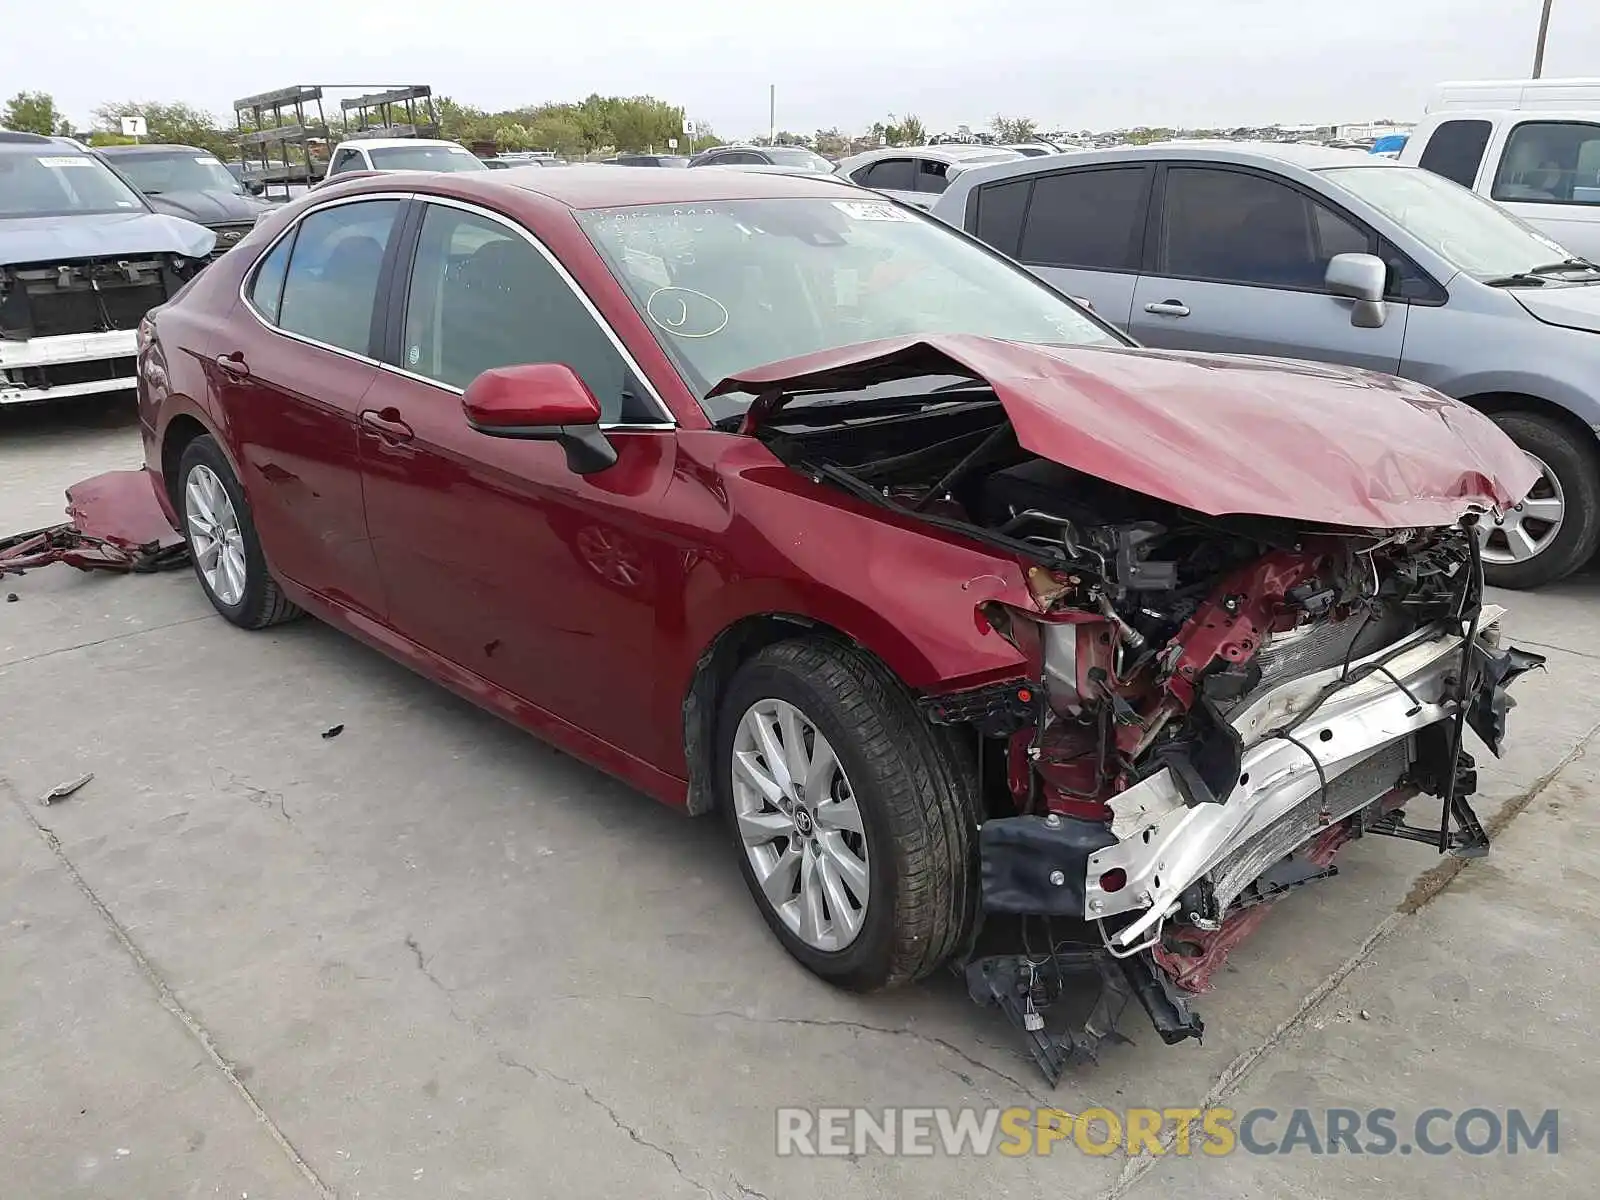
180, 171
425, 158
795, 156
60, 182
1480, 238
731, 285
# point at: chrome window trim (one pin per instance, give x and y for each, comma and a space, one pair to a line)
667, 420
250, 276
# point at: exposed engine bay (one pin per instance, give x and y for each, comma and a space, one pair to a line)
1214, 706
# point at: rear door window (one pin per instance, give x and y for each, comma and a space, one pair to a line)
998, 220
1090, 218
1551, 162
1455, 150
331, 285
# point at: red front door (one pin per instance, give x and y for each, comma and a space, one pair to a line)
496, 556
493, 552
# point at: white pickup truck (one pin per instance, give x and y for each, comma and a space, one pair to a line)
1532, 146
401, 154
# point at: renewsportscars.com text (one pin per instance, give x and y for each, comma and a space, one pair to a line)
1214, 1132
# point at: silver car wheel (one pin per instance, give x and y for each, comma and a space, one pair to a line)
215, 538
1528, 529
800, 825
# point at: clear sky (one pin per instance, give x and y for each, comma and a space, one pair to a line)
1072, 63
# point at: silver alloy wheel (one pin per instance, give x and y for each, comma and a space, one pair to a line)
1528, 529
214, 535
800, 824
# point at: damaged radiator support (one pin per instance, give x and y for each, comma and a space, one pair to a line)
116, 525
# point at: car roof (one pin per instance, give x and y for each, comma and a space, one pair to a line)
1300, 154
601, 185
944, 152
23, 143
1293, 155
153, 148
385, 143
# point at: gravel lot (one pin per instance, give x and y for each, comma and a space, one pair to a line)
432, 957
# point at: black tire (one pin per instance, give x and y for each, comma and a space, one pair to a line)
917, 793
1573, 461
262, 602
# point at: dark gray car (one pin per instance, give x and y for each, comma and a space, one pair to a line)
189, 182
1311, 253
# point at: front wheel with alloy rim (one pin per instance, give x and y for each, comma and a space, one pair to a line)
222, 540
1556, 528
852, 816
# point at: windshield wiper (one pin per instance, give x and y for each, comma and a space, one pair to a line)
1519, 279
828, 412
1571, 264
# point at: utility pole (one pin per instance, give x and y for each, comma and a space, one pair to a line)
1538, 50
772, 108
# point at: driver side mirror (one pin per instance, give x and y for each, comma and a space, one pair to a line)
541, 402
1362, 278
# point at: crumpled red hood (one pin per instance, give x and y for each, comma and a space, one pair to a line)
1220, 434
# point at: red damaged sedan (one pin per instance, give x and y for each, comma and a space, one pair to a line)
773, 497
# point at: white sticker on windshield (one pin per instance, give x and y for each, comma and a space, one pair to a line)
871, 210
202, 158
76, 160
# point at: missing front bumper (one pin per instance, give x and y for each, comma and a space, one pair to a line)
1168, 863
1347, 750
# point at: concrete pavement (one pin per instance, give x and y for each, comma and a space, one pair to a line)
430, 956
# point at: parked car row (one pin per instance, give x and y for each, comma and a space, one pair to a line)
777, 498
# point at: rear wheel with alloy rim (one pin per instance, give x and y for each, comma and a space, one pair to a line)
852, 816
222, 540
1556, 528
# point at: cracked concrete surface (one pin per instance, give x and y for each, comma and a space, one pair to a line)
433, 957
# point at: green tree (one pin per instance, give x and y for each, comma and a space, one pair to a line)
464, 123
830, 142
169, 122
900, 131
34, 112
1014, 129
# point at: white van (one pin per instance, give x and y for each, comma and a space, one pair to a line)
1530, 145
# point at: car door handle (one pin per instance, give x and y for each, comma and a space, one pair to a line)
1168, 308
234, 364
386, 423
